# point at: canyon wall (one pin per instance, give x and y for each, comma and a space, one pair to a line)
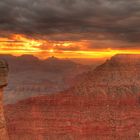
104, 105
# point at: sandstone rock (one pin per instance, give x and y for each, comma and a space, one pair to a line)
3, 83
3, 73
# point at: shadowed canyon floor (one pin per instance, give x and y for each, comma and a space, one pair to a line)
104, 105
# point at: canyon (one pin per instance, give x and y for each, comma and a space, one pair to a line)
104, 104
30, 76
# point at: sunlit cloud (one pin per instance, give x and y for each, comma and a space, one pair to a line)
70, 29
20, 44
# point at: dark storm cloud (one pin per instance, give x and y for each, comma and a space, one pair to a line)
72, 19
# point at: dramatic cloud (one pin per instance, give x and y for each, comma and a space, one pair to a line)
100, 19
85, 24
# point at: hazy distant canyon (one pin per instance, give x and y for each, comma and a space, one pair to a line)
30, 76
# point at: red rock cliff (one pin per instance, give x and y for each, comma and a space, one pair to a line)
104, 105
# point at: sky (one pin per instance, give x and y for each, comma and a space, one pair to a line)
70, 28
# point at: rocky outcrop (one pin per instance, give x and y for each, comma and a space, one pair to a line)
118, 76
3, 83
104, 105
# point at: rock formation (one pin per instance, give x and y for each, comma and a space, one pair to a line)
104, 105
118, 76
3, 83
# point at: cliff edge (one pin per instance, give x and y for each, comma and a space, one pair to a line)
3, 83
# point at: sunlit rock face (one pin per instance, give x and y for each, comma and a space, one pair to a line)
3, 83
104, 105
118, 76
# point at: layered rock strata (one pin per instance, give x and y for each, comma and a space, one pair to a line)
104, 105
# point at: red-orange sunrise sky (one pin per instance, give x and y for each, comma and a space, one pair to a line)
70, 28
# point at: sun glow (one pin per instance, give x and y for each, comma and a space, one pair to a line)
20, 44
51, 51
65, 44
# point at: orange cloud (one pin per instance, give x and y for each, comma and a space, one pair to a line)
20, 44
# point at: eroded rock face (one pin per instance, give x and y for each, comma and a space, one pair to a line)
3, 73
3, 130
74, 117
104, 105
118, 76
3, 83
